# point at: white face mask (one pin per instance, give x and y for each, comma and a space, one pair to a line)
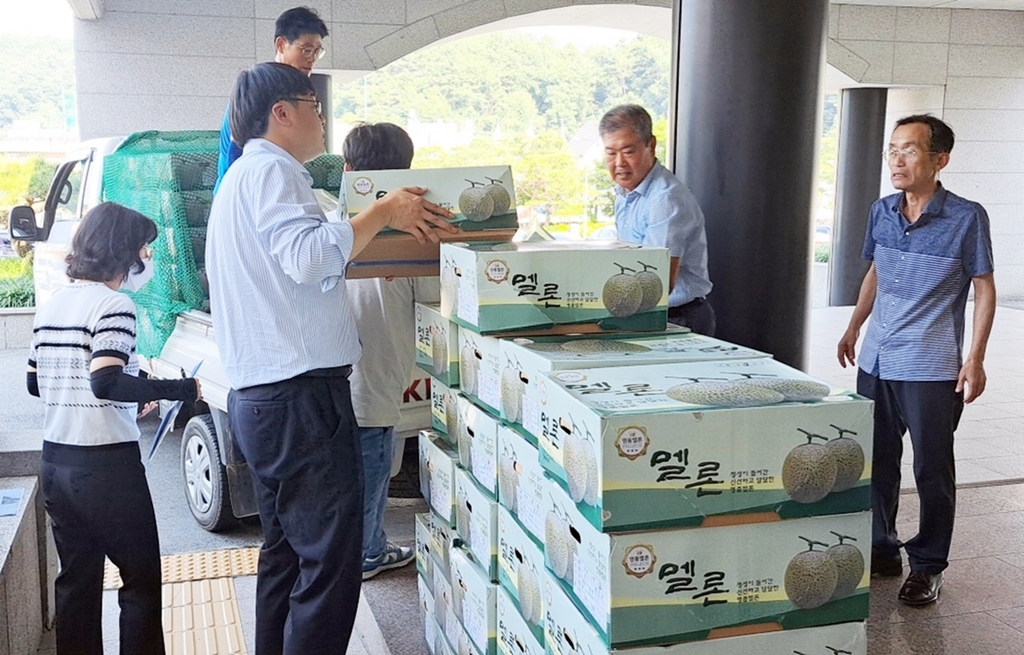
136, 281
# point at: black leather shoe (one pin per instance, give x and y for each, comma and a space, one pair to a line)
886, 566
920, 588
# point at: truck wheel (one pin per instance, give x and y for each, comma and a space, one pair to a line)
206, 481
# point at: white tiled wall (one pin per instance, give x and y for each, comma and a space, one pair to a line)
973, 62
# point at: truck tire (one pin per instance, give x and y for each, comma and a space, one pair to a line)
206, 481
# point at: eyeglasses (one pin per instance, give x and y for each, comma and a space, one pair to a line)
309, 52
318, 106
906, 154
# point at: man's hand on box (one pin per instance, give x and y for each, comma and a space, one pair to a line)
408, 211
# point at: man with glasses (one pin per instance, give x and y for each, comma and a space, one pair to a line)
927, 246
654, 207
288, 340
297, 40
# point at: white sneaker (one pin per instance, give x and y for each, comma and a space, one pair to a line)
392, 557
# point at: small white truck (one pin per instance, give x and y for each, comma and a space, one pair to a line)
217, 483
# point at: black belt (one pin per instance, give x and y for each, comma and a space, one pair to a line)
332, 372
696, 302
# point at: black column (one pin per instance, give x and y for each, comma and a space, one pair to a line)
747, 117
322, 87
858, 184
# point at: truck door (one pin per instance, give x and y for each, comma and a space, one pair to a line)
65, 205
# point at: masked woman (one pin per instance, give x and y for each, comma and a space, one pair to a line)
83, 365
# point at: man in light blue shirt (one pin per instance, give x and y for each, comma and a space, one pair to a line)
298, 34
653, 207
927, 248
287, 339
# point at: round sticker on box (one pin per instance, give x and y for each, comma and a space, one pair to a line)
363, 186
632, 442
570, 376
639, 560
496, 271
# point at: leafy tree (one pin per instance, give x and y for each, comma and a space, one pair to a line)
35, 87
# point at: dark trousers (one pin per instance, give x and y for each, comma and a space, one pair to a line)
299, 439
698, 315
98, 501
931, 412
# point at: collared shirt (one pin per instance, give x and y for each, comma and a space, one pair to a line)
276, 270
661, 211
229, 150
924, 270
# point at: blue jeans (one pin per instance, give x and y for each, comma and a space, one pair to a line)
377, 445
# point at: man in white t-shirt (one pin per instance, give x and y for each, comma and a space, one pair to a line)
383, 309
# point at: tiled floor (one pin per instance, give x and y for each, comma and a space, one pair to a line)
980, 610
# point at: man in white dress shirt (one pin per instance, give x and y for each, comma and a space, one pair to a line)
288, 341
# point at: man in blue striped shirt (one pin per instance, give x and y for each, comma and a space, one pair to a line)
653, 207
928, 247
287, 339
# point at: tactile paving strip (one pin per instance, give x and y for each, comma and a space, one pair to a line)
200, 612
196, 566
200, 617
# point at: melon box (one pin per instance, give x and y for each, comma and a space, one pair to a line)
478, 444
444, 411
525, 359
521, 481
437, 474
520, 570
474, 600
437, 344
430, 627
514, 636
480, 367
433, 539
443, 613
567, 632
648, 447
649, 588
476, 521
608, 285
481, 197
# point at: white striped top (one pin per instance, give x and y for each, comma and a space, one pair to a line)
81, 321
276, 269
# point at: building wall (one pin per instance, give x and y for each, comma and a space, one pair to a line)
967, 67
170, 64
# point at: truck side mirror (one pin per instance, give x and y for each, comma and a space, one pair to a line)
23, 224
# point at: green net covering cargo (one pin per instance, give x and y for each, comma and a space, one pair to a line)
169, 177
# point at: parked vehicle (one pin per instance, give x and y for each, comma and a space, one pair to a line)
170, 181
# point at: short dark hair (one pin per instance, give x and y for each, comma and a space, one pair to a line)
634, 117
107, 243
256, 91
941, 135
298, 21
377, 147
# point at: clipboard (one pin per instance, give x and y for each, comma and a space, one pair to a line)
167, 422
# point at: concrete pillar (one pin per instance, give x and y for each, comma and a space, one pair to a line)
858, 170
746, 120
322, 88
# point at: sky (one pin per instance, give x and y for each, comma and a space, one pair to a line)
36, 18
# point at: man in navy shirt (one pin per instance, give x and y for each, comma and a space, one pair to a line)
927, 247
297, 42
